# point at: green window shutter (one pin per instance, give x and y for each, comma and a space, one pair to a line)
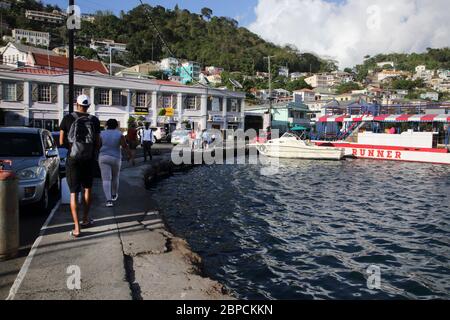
133, 98
66, 94
54, 93
34, 92
124, 96
96, 96
19, 91
148, 99
1, 91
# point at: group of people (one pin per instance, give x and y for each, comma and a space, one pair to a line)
201, 139
81, 134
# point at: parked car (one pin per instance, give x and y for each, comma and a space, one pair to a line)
35, 160
159, 134
62, 154
180, 137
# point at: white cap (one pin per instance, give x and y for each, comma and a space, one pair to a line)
83, 100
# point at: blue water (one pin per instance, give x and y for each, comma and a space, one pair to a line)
312, 231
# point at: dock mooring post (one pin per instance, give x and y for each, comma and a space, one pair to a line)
9, 213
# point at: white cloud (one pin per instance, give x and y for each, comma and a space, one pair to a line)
350, 30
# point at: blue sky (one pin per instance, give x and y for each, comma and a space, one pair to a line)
241, 10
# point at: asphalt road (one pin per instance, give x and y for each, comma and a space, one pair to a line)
30, 223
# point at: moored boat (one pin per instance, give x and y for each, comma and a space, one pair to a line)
292, 147
410, 145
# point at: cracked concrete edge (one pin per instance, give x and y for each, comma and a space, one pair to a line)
173, 244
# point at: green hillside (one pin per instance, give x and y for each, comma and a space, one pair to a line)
433, 59
204, 37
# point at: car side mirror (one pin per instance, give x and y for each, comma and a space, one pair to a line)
51, 153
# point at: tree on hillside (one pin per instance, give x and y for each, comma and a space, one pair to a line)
86, 52
404, 84
207, 13
347, 87
297, 85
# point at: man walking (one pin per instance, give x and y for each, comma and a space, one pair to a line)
80, 134
147, 140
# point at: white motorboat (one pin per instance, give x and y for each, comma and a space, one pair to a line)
293, 147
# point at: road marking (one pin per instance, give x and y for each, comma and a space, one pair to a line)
23, 271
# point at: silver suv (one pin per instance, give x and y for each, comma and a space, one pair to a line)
35, 161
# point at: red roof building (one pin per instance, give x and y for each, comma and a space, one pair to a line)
60, 63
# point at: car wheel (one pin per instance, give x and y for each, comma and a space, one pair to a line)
43, 204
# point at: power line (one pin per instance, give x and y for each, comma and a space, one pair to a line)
163, 41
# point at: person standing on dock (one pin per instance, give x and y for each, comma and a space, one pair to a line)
110, 160
80, 134
147, 141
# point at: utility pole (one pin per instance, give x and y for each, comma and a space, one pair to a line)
71, 54
270, 87
110, 61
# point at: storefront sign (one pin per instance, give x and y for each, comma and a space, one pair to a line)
217, 119
141, 110
234, 119
170, 112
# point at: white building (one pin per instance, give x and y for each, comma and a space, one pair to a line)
212, 70
56, 17
433, 96
36, 38
169, 64
304, 95
322, 80
423, 73
16, 54
388, 74
298, 75
104, 46
283, 72
41, 100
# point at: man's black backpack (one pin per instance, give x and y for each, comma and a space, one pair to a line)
82, 137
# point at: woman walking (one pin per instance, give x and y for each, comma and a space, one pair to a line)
132, 140
110, 160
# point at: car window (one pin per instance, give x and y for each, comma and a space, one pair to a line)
48, 141
55, 137
20, 145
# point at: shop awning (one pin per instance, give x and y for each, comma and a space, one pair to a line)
387, 118
298, 128
333, 118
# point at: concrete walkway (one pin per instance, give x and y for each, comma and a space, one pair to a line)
128, 254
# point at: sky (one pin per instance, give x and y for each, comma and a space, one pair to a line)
343, 30
241, 10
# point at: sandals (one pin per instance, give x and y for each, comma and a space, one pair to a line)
88, 224
73, 235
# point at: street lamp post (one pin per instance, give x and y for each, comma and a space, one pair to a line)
270, 89
71, 59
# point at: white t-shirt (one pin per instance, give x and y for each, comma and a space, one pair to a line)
147, 135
